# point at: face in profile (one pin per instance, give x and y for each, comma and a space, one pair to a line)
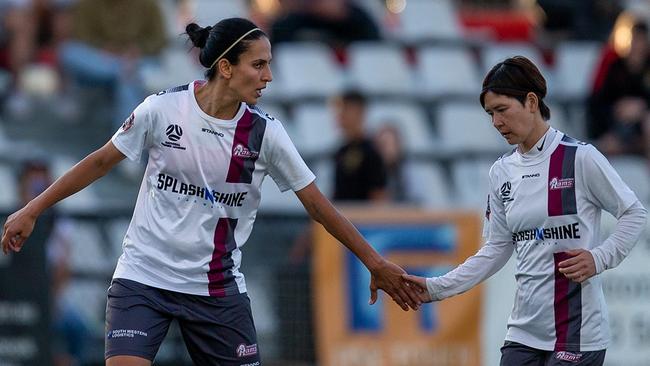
253, 71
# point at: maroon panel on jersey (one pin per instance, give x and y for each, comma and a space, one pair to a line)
561, 181
568, 309
221, 279
246, 148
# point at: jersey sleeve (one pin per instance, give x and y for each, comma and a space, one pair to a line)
286, 166
495, 227
604, 187
134, 135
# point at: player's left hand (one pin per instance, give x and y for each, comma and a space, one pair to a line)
388, 277
580, 267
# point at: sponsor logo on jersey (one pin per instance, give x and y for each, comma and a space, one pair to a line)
569, 231
168, 183
246, 350
535, 175
128, 123
242, 151
561, 183
506, 190
212, 132
174, 134
568, 356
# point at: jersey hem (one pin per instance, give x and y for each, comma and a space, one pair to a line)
545, 346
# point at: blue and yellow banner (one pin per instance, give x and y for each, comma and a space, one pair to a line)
352, 333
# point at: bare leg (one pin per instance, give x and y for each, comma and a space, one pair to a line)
127, 361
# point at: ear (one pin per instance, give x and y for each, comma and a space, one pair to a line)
225, 68
532, 102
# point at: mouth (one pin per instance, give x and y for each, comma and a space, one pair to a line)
258, 92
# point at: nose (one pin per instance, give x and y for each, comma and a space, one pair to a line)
267, 75
496, 121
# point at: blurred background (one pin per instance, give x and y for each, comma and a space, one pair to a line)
401, 76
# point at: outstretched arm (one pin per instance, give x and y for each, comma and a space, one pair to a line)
21, 223
385, 274
477, 268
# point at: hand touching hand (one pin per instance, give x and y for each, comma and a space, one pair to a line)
16, 230
421, 284
388, 277
579, 267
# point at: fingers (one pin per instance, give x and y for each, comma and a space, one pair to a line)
416, 280
373, 294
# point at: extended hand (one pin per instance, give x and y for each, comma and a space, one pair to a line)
579, 267
420, 283
16, 230
388, 277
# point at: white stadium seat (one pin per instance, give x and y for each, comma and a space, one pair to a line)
275, 201
9, 191
423, 20
305, 69
471, 180
444, 71
466, 127
575, 63
315, 130
209, 12
634, 171
380, 69
426, 184
410, 119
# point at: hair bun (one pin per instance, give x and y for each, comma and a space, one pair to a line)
198, 35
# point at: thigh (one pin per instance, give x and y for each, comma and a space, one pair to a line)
563, 358
517, 354
136, 320
219, 331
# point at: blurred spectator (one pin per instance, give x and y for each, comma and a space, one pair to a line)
360, 174
619, 110
579, 19
113, 42
336, 22
70, 331
388, 142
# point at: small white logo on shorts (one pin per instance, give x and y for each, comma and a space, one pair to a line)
128, 333
568, 356
245, 351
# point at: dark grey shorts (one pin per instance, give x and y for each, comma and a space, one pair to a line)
216, 330
517, 354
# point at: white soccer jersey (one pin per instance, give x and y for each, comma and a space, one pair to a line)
200, 191
543, 203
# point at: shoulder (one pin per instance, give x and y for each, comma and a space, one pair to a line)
261, 116
172, 92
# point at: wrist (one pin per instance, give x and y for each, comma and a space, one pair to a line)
374, 263
33, 209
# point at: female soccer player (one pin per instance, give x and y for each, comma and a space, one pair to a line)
545, 203
209, 149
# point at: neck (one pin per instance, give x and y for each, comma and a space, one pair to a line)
538, 131
215, 100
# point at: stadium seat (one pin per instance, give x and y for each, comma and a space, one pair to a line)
575, 63
380, 69
410, 120
464, 127
177, 67
471, 181
208, 12
446, 71
304, 70
275, 201
9, 191
315, 130
426, 20
426, 184
634, 171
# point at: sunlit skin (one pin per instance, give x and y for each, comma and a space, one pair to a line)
522, 125
244, 81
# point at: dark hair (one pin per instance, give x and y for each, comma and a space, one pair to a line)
516, 77
353, 96
641, 28
214, 40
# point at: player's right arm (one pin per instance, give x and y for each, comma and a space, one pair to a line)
20, 224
